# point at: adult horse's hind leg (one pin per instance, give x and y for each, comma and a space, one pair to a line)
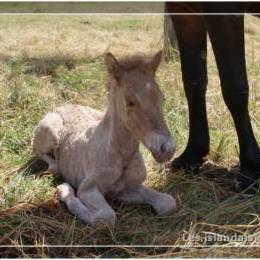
191, 35
227, 37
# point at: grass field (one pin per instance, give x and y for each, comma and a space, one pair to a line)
46, 61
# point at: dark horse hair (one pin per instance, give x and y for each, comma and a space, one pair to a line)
224, 23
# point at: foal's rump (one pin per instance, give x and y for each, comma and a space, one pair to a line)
55, 132
62, 121
47, 134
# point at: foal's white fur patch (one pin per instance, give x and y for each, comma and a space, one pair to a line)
64, 191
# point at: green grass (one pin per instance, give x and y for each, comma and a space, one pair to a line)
49, 61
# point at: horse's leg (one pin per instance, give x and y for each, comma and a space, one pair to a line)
129, 188
90, 206
227, 37
191, 35
162, 203
75, 206
134, 173
93, 199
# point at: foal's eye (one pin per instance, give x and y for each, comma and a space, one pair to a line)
130, 104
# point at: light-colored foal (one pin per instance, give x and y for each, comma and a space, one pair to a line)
98, 154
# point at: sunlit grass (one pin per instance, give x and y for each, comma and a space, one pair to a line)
48, 61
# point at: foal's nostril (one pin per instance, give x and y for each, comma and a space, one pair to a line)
164, 148
167, 148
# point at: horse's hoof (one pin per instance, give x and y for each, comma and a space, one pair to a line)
190, 164
249, 178
247, 183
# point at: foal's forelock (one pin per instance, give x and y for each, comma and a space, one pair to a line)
139, 63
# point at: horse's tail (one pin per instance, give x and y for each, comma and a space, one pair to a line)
170, 37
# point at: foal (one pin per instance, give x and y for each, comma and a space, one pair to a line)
98, 155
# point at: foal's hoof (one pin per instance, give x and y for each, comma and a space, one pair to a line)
53, 168
105, 216
65, 191
166, 205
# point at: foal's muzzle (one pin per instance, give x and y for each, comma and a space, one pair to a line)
162, 147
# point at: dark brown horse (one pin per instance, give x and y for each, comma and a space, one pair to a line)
226, 33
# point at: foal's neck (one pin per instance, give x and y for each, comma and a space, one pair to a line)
119, 135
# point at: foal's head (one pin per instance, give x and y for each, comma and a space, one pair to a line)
139, 101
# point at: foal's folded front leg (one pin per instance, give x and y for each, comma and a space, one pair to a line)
74, 205
162, 203
90, 206
97, 205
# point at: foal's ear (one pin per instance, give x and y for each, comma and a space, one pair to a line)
113, 66
155, 61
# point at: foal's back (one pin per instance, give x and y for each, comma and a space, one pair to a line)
79, 125
77, 117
